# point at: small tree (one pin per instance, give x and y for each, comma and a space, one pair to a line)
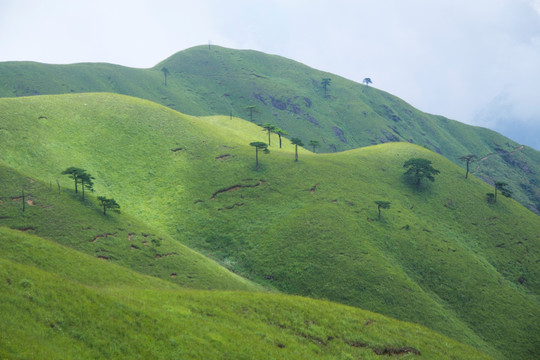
251, 110
296, 142
419, 169
314, 144
382, 205
74, 173
469, 159
280, 132
259, 145
86, 182
165, 72
269, 128
325, 84
108, 204
367, 81
499, 186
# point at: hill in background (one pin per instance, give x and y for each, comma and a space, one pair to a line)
290, 95
441, 256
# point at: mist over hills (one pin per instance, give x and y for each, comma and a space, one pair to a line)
204, 81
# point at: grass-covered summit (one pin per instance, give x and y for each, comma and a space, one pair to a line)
441, 255
203, 81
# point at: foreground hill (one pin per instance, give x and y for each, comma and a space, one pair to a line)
57, 303
441, 256
290, 95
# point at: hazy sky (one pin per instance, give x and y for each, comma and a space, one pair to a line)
475, 61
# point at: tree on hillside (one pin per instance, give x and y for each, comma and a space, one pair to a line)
469, 159
382, 205
252, 109
259, 145
419, 169
86, 182
499, 187
280, 132
296, 142
269, 128
325, 84
108, 204
314, 144
367, 81
165, 72
74, 173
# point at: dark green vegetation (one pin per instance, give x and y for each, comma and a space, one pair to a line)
441, 256
202, 81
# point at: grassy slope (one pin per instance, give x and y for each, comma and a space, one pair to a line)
455, 269
57, 303
66, 219
289, 94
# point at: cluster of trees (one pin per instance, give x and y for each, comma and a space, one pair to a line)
86, 181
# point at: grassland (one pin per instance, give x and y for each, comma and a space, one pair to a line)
289, 94
58, 303
441, 256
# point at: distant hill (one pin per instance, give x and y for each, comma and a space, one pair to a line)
441, 256
289, 94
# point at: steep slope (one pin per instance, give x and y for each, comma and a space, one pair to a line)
290, 95
440, 256
84, 308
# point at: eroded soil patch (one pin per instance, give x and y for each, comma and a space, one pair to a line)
235, 187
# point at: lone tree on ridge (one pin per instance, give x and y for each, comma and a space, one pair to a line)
469, 159
296, 142
259, 145
367, 81
382, 205
325, 84
419, 169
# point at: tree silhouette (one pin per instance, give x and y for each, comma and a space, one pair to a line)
74, 173
165, 72
251, 110
270, 128
419, 169
280, 132
314, 144
325, 84
500, 186
469, 159
367, 81
259, 145
108, 204
382, 205
296, 142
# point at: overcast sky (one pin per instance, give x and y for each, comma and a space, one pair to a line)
475, 61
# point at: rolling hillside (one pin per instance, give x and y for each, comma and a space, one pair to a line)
440, 256
57, 303
289, 94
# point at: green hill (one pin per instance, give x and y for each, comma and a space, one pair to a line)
441, 256
57, 303
289, 94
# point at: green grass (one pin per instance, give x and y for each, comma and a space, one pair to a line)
57, 303
288, 94
441, 255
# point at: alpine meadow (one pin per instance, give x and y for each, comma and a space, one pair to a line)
267, 210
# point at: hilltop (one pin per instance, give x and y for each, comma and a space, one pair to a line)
286, 93
441, 256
